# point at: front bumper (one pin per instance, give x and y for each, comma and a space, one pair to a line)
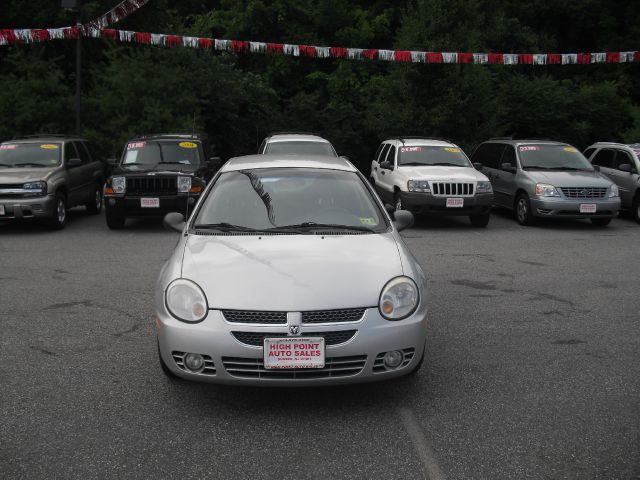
428, 204
570, 208
130, 206
233, 362
19, 208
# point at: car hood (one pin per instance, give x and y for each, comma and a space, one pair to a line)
23, 175
458, 174
291, 272
570, 179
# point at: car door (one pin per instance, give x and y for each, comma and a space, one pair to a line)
86, 171
72, 164
377, 171
374, 162
385, 179
489, 155
604, 158
505, 179
627, 181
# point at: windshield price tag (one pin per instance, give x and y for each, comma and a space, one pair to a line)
49, 146
455, 202
134, 145
529, 148
452, 150
187, 145
293, 352
588, 208
410, 149
8, 147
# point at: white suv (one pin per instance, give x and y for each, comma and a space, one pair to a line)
298, 144
431, 177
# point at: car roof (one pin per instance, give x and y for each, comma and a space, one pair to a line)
48, 138
250, 162
427, 142
525, 141
615, 144
296, 137
168, 136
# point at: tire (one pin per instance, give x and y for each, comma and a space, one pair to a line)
635, 208
601, 222
480, 221
164, 367
115, 221
397, 201
94, 205
523, 210
59, 219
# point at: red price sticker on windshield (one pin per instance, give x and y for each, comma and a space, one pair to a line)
134, 145
410, 149
529, 148
8, 147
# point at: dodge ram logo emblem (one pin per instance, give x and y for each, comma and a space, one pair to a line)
294, 330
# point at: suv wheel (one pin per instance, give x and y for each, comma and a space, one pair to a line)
94, 205
115, 221
635, 208
601, 222
397, 201
59, 219
523, 210
480, 221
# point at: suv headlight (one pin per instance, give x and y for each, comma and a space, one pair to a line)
399, 298
418, 186
545, 190
484, 187
184, 184
186, 301
614, 191
35, 188
119, 184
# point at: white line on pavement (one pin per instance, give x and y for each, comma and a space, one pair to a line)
422, 445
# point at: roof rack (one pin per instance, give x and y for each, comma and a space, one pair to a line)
418, 137
180, 135
501, 138
44, 135
292, 133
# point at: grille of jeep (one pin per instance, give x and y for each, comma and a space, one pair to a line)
151, 185
451, 188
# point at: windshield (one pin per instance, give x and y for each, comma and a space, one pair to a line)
17, 155
302, 148
432, 156
166, 152
305, 198
552, 157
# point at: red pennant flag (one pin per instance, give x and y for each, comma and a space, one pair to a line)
9, 36
338, 52
525, 59
465, 57
275, 48
554, 59
205, 43
402, 56
496, 58
110, 33
173, 41
239, 46
613, 57
636, 57
584, 58
40, 35
71, 33
308, 51
370, 54
434, 57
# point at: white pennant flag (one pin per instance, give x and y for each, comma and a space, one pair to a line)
222, 44
291, 50
449, 57
354, 53
569, 58
418, 57
125, 35
190, 42
510, 59
157, 39
598, 57
540, 59
322, 52
387, 55
626, 57
481, 58
24, 34
56, 33
257, 47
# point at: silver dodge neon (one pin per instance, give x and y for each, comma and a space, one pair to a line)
290, 271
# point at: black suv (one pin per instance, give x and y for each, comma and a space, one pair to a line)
158, 174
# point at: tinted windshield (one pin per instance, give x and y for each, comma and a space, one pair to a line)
552, 157
423, 155
278, 197
302, 148
17, 155
152, 153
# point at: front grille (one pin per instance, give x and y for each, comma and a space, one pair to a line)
161, 185
378, 364
584, 192
451, 188
333, 316
334, 367
254, 316
209, 367
256, 339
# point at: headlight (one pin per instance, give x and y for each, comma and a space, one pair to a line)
35, 188
544, 190
398, 299
184, 184
484, 187
119, 184
418, 186
614, 191
186, 301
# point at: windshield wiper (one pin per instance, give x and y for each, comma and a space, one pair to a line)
332, 226
225, 227
5, 165
29, 164
573, 169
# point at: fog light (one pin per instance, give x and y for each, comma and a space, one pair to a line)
191, 200
393, 359
112, 202
193, 362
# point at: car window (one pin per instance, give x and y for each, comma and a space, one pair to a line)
552, 157
27, 155
509, 156
432, 156
604, 158
623, 158
82, 152
383, 153
279, 197
489, 154
377, 154
391, 155
301, 148
70, 152
588, 152
262, 145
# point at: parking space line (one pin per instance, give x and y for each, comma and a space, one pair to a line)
422, 445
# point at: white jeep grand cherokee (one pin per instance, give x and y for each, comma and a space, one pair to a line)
431, 177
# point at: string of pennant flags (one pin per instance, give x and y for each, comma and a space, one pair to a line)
98, 29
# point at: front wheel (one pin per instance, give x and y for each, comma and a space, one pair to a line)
115, 221
523, 210
480, 221
59, 219
601, 222
636, 208
94, 205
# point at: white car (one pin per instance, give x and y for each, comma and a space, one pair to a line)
296, 144
431, 177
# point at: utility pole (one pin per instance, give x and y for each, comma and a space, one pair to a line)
73, 6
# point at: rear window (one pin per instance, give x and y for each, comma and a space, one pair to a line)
432, 156
164, 152
302, 148
26, 155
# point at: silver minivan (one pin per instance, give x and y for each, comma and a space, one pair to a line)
621, 163
542, 178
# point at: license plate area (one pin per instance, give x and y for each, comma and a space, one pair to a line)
150, 202
588, 208
294, 352
455, 202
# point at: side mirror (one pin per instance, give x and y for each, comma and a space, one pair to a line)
507, 167
403, 219
625, 167
596, 168
174, 222
74, 162
477, 165
385, 165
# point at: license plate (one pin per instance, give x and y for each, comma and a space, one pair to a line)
455, 202
588, 208
150, 202
1, 209
293, 352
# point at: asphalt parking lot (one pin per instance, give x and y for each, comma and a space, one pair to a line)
532, 368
